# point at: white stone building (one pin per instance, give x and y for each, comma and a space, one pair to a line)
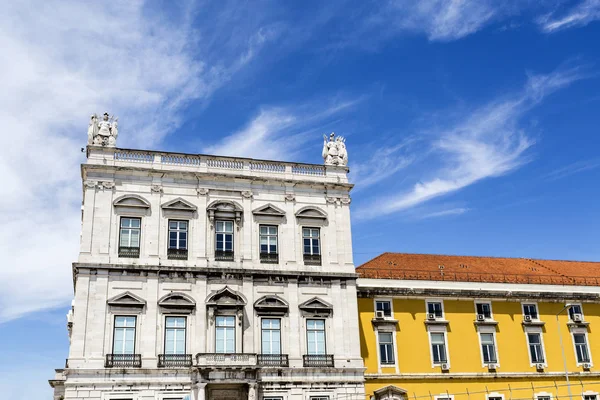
207, 277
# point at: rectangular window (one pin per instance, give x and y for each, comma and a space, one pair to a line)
271, 336
224, 238
385, 307
268, 244
530, 310
124, 335
175, 335
315, 336
488, 348
581, 348
129, 237
311, 240
484, 309
225, 334
438, 347
178, 234
386, 348
435, 308
575, 309
543, 398
536, 349
589, 397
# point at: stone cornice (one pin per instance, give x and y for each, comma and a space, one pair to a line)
203, 271
482, 293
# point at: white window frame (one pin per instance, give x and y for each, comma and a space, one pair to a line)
390, 365
543, 394
441, 301
235, 333
319, 396
589, 393
280, 335
493, 333
311, 238
539, 332
185, 331
442, 396
272, 398
306, 330
232, 233
537, 309
268, 236
494, 395
121, 217
114, 331
442, 331
581, 331
489, 303
386, 299
173, 395
580, 307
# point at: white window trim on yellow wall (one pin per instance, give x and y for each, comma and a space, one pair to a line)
494, 395
432, 300
388, 299
543, 394
438, 329
538, 330
394, 349
580, 307
443, 396
589, 393
491, 318
537, 309
581, 331
492, 330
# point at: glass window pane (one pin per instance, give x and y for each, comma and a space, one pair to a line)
263, 230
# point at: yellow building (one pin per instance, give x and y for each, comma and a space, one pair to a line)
477, 328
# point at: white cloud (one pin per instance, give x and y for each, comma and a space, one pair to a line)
580, 15
280, 133
487, 143
444, 213
63, 60
574, 168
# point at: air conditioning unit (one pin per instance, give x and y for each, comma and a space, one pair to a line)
586, 366
480, 317
577, 318
527, 318
492, 367
445, 366
379, 314
539, 366
431, 317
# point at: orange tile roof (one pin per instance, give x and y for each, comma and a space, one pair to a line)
480, 269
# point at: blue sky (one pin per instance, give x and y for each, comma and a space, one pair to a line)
472, 126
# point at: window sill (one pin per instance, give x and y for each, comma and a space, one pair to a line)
534, 323
436, 322
582, 324
384, 321
485, 322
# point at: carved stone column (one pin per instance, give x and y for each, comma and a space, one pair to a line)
199, 391
252, 391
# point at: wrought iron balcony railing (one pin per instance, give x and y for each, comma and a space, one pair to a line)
273, 360
318, 360
177, 254
223, 255
174, 360
269, 258
129, 252
312, 259
123, 360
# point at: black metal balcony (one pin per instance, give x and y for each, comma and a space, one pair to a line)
177, 254
269, 258
273, 360
318, 360
129, 252
223, 255
312, 259
174, 360
123, 361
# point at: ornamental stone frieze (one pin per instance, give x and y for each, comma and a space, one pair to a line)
338, 200
202, 191
99, 184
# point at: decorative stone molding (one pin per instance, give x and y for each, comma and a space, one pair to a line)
202, 191
316, 307
179, 208
331, 200
225, 209
156, 189
345, 200
390, 392
271, 305
90, 184
131, 201
311, 215
106, 185
269, 213
290, 197
126, 301
176, 303
247, 194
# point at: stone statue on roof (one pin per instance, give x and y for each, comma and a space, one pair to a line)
103, 133
334, 150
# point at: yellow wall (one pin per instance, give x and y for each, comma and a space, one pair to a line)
413, 351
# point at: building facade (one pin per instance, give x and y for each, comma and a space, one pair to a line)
479, 328
205, 277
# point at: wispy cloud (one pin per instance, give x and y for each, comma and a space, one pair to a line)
279, 133
62, 58
444, 213
572, 169
488, 142
582, 14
